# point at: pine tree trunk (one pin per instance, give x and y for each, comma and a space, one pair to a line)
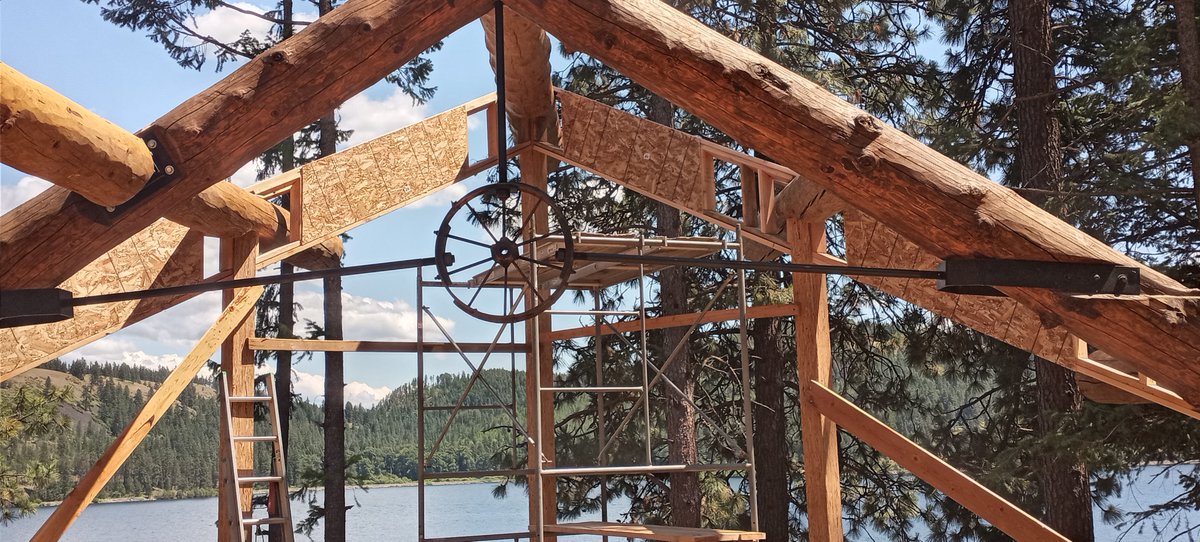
1064, 484
1188, 37
681, 417
334, 463
771, 452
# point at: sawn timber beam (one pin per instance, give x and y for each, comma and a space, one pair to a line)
56, 234
944, 207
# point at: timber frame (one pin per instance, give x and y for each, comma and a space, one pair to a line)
901, 203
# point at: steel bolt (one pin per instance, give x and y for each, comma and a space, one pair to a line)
110, 209
169, 170
151, 144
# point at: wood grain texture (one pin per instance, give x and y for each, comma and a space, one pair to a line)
44, 133
644, 156
958, 486
155, 408
237, 362
942, 206
51, 237
165, 254
227, 210
529, 93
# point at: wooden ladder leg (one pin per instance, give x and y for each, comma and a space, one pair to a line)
231, 522
283, 500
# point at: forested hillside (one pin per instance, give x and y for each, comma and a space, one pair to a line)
179, 458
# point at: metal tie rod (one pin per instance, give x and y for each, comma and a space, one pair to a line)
755, 266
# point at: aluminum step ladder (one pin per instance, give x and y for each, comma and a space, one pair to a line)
279, 510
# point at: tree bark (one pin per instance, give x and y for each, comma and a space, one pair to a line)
1189, 69
334, 462
1064, 484
771, 453
681, 417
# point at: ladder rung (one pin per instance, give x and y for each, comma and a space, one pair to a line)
596, 389
255, 438
250, 399
250, 522
259, 479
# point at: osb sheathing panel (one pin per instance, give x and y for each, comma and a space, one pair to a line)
366, 181
165, 254
340, 192
638, 154
871, 244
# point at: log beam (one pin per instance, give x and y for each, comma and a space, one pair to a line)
163, 399
44, 133
54, 235
529, 92
946, 208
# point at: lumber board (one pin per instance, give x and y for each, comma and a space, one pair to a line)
675, 320
328, 345
653, 532
944, 207
45, 134
155, 408
54, 235
644, 156
958, 486
158, 256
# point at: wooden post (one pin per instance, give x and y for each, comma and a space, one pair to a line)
237, 361
164, 397
48, 135
814, 362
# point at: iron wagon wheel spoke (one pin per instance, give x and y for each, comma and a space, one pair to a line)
530, 283
482, 283
465, 267
540, 262
471, 241
478, 216
542, 237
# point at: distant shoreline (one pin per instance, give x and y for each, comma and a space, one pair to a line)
118, 500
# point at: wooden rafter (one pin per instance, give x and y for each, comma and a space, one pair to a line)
155, 408
943, 206
53, 236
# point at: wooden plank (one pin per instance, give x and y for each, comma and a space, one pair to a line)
971, 494
814, 362
654, 532
54, 235
318, 345
92, 482
675, 320
237, 362
44, 133
942, 206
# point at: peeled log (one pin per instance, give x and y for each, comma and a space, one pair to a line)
49, 238
44, 133
529, 93
946, 208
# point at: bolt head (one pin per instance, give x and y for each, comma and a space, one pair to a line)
152, 144
169, 170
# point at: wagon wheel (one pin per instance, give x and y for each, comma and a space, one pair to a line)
506, 247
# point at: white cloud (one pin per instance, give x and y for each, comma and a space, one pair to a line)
366, 318
312, 387
16, 194
247, 175
180, 326
120, 350
441, 198
372, 118
227, 25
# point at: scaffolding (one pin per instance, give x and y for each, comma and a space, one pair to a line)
543, 474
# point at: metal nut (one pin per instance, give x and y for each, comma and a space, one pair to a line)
151, 144
169, 170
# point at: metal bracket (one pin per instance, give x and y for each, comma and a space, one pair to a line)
166, 172
34, 306
983, 276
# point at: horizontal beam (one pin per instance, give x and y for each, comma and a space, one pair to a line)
317, 345
675, 320
958, 486
54, 235
44, 133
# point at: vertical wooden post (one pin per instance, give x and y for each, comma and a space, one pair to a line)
814, 362
237, 361
533, 166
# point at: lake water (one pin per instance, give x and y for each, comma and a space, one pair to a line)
390, 513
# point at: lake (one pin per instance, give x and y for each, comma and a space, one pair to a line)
390, 513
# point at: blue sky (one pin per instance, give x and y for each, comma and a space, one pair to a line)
131, 81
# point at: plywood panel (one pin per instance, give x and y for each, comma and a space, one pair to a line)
871, 244
641, 155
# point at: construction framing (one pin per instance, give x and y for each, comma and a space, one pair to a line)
902, 205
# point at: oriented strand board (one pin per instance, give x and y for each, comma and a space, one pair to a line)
871, 244
638, 154
165, 254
